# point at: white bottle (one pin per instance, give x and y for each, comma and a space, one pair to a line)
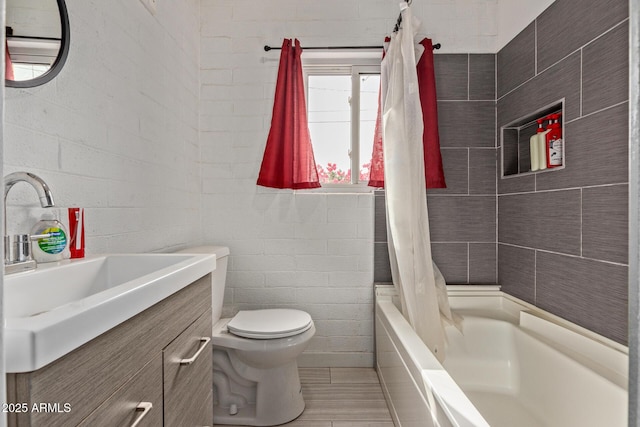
542, 148
533, 152
54, 247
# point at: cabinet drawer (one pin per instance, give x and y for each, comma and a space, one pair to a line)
188, 387
120, 408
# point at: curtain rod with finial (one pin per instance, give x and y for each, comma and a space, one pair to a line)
267, 48
436, 46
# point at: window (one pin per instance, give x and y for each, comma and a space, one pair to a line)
31, 58
342, 104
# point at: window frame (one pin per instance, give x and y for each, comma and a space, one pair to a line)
344, 65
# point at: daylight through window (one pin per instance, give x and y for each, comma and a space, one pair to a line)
342, 103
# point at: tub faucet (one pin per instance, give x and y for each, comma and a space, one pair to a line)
17, 262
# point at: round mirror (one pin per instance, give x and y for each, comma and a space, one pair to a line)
37, 41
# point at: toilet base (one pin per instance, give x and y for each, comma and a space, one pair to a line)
245, 416
278, 393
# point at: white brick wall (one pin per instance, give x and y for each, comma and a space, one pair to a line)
308, 250
117, 131
157, 125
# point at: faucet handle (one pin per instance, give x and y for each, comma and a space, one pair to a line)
7, 249
21, 244
17, 256
22, 248
40, 236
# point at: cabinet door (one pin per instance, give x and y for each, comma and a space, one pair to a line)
139, 400
188, 369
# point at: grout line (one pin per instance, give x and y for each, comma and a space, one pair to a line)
518, 148
468, 262
468, 171
565, 57
581, 223
466, 100
581, 101
535, 47
597, 111
468, 77
495, 79
487, 242
563, 189
464, 148
564, 254
612, 28
430, 195
497, 273
497, 142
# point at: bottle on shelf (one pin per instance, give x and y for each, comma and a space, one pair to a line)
553, 144
542, 143
533, 151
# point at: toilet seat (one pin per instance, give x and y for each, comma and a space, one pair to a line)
269, 323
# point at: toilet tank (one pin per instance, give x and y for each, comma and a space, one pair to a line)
218, 276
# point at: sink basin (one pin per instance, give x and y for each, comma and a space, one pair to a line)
58, 307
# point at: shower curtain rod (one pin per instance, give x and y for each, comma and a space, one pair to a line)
267, 48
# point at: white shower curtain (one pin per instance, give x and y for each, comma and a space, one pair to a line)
414, 274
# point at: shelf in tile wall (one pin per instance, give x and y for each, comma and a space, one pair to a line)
530, 172
517, 147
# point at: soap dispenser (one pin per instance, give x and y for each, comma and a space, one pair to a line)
52, 241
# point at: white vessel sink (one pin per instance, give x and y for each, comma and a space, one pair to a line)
55, 309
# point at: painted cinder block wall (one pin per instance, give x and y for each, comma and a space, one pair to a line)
116, 132
562, 235
156, 126
309, 250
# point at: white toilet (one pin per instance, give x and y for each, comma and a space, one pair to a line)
255, 369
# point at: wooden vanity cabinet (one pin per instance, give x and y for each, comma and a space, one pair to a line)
135, 364
187, 389
121, 408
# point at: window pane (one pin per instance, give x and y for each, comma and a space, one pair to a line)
329, 116
369, 88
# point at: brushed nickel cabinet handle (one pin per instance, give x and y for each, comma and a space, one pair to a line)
144, 408
203, 341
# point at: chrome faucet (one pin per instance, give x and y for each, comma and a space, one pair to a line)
20, 262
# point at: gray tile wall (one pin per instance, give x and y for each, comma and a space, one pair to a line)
562, 235
463, 216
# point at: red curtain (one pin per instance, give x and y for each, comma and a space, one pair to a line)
288, 160
8, 65
434, 173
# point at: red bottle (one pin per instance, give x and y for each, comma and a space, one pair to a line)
554, 142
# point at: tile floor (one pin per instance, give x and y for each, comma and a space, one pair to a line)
342, 397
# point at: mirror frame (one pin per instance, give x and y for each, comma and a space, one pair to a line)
60, 59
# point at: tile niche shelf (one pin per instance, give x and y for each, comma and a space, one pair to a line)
514, 142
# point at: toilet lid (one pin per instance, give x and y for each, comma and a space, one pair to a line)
269, 323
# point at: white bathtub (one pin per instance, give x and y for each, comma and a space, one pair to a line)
513, 365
